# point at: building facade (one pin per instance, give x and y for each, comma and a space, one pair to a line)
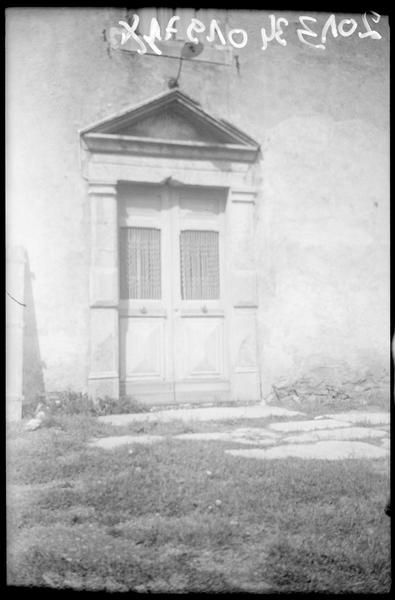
206, 241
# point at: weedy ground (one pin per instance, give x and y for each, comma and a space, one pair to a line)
183, 516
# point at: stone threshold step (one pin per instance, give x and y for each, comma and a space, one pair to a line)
215, 413
195, 405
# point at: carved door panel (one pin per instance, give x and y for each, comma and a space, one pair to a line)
172, 290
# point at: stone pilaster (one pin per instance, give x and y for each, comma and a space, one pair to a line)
104, 291
243, 296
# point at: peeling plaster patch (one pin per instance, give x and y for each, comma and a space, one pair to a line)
331, 450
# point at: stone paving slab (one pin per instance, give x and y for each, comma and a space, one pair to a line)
107, 443
308, 425
249, 435
216, 413
254, 442
224, 437
217, 436
346, 433
359, 416
331, 450
255, 432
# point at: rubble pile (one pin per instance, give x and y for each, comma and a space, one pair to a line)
309, 393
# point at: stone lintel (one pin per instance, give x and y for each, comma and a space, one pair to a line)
242, 195
102, 188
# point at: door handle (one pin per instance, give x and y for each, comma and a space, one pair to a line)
204, 309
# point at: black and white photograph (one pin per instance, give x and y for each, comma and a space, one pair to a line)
198, 334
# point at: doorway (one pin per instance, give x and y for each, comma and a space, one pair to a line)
173, 289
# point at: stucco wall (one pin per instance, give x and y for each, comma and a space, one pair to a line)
321, 117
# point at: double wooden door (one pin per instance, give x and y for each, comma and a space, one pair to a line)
173, 323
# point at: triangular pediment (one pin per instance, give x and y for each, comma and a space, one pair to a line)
170, 124
173, 118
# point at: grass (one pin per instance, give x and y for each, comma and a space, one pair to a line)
147, 520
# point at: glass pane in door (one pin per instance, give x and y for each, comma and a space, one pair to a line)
199, 251
140, 263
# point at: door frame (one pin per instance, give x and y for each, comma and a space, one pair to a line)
108, 162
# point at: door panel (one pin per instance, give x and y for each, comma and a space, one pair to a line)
199, 296
197, 207
143, 343
202, 340
145, 334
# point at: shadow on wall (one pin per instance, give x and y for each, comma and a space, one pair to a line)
33, 378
